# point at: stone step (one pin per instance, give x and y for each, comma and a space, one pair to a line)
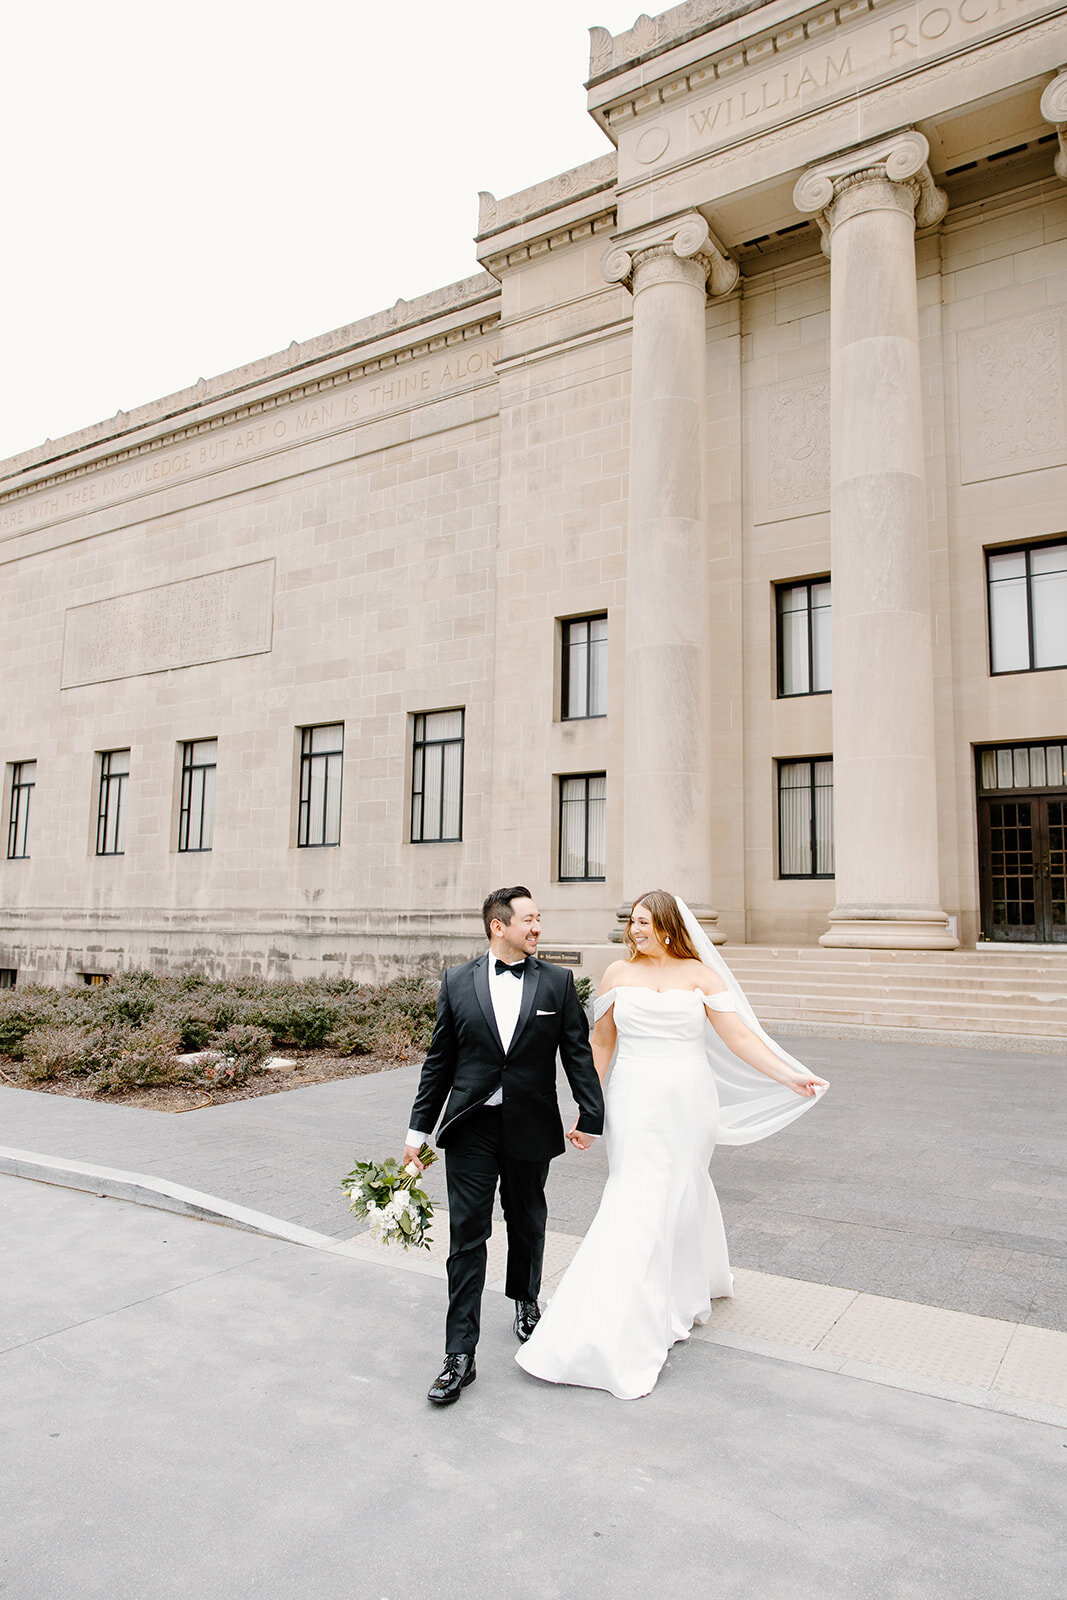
977, 989
1006, 991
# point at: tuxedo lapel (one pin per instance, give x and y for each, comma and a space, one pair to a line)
530, 979
481, 990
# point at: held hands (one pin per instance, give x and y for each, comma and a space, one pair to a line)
580, 1141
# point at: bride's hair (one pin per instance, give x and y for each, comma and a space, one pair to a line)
667, 922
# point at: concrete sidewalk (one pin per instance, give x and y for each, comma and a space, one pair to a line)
929, 1175
196, 1411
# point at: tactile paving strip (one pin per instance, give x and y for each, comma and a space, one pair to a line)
784, 1310
1035, 1366
952, 1346
1012, 1361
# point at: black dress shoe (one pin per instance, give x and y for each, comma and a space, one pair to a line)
455, 1375
527, 1316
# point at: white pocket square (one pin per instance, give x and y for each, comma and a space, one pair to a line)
546, 1013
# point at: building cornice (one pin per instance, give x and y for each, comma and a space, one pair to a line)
527, 205
72, 460
262, 382
653, 36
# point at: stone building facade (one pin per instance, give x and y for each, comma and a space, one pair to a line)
535, 578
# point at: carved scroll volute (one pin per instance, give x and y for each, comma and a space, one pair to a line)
1054, 110
902, 159
691, 240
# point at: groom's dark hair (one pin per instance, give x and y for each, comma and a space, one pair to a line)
497, 906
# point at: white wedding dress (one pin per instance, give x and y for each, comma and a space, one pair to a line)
655, 1256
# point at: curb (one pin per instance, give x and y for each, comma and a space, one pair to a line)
110, 1183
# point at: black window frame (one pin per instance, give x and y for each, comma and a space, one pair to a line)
581, 777
991, 553
20, 804
780, 589
308, 759
420, 746
9, 977
811, 762
190, 766
112, 784
566, 625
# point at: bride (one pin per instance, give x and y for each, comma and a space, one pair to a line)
690, 1067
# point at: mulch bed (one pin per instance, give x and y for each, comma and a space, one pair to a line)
311, 1066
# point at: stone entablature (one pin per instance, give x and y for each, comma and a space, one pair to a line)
257, 383
788, 84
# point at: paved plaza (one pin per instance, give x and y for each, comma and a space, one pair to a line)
234, 1415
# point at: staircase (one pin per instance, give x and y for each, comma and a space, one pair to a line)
1000, 997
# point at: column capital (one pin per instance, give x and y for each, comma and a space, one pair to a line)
682, 242
893, 173
1054, 110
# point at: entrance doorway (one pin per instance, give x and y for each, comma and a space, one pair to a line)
1022, 842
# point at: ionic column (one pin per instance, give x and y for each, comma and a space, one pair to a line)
667, 743
868, 205
1054, 110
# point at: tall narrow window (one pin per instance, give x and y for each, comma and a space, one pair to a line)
23, 781
804, 642
582, 827
585, 661
319, 820
1028, 608
111, 810
196, 815
806, 819
437, 777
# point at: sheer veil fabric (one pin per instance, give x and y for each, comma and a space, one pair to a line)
751, 1105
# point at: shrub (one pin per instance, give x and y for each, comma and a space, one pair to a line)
234, 1056
132, 997
136, 1058
54, 1051
584, 986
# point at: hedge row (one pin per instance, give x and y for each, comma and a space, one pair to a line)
127, 1033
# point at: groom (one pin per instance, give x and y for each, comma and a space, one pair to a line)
500, 1021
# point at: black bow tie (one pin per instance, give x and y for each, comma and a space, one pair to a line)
518, 969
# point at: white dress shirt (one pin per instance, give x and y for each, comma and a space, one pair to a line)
505, 991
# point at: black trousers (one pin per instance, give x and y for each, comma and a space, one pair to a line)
475, 1162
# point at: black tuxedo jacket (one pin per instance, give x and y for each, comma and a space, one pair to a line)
466, 1062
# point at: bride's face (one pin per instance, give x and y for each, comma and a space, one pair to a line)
643, 932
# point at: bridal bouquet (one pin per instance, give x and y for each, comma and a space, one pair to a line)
386, 1195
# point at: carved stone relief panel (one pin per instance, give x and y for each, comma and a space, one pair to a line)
213, 618
792, 451
1013, 416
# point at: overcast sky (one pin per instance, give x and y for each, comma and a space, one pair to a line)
191, 187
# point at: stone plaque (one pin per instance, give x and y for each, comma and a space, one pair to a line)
213, 618
1012, 404
793, 448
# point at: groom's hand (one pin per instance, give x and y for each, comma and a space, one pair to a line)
411, 1153
580, 1141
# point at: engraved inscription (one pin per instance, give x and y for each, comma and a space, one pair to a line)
793, 448
279, 429
213, 618
1012, 403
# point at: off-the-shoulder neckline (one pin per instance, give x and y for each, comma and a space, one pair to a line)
643, 988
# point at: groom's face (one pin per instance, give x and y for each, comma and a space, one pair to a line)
520, 937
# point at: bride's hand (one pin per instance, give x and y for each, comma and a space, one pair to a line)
808, 1084
580, 1141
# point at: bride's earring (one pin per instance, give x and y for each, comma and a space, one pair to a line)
667, 940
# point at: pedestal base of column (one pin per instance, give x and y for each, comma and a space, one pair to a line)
915, 930
704, 915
